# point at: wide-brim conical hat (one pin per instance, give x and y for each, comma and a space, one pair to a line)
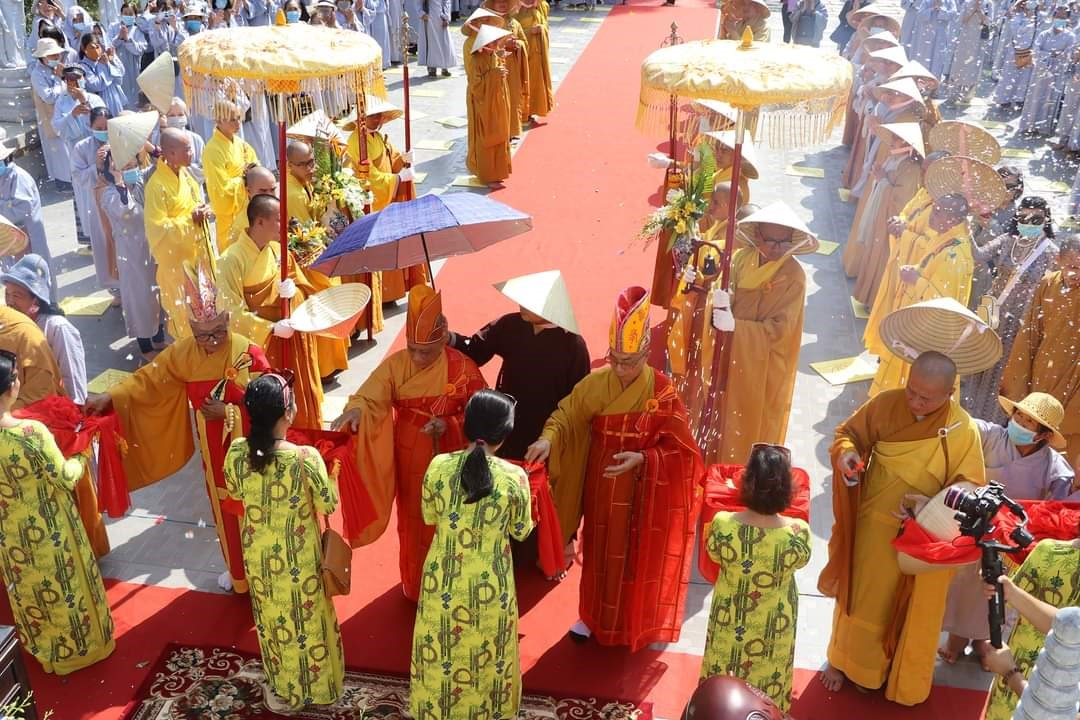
916, 71
373, 105
778, 213
718, 107
904, 86
978, 182
13, 240
317, 126
332, 312
726, 138
545, 294
958, 137
880, 39
894, 54
856, 17
486, 35
909, 132
157, 82
128, 134
945, 326
480, 13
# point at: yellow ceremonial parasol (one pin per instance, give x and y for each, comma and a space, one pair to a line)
797, 93
291, 67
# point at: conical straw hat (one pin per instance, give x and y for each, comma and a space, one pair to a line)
1042, 407
480, 13
317, 126
128, 134
332, 312
720, 108
909, 132
979, 183
157, 82
958, 137
543, 293
778, 213
13, 240
487, 35
916, 71
904, 86
894, 54
879, 39
946, 326
726, 138
373, 105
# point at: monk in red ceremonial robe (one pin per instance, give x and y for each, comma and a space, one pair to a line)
207, 370
619, 448
410, 408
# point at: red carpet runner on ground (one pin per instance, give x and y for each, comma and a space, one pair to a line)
584, 179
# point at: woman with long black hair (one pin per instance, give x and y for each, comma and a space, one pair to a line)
477, 503
283, 488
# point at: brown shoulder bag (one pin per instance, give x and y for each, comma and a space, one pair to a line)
336, 561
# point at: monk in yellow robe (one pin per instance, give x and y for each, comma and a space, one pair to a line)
621, 458
533, 19
208, 371
886, 624
176, 225
249, 278
224, 158
411, 408
39, 377
333, 352
762, 318
258, 180
1045, 356
487, 102
945, 269
737, 15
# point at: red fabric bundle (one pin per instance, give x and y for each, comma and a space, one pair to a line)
338, 451
63, 418
1047, 520
723, 484
548, 532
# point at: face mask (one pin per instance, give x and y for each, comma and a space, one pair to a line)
132, 176
176, 121
81, 84
1029, 231
1020, 435
292, 16
193, 26
82, 27
127, 20
220, 4
343, 6
5, 168
1060, 24
100, 135
53, 63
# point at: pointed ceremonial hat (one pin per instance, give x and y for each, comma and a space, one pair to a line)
945, 326
157, 82
630, 322
545, 294
424, 320
909, 132
128, 134
778, 213
13, 240
486, 35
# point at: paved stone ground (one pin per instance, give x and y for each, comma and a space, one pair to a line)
166, 539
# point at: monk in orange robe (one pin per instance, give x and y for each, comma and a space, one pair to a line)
620, 454
208, 371
912, 441
411, 408
40, 378
533, 19
487, 100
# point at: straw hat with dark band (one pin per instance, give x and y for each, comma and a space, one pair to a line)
945, 326
958, 137
779, 213
979, 183
1042, 407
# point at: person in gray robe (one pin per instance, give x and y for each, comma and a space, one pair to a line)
1004, 11
931, 43
258, 12
969, 51
71, 118
122, 202
395, 13
130, 43
1014, 263
177, 117
1068, 127
47, 13
1014, 80
21, 204
86, 161
1052, 56
434, 48
380, 29
46, 73
907, 27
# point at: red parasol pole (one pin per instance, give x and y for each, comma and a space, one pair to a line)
365, 173
284, 232
405, 76
673, 121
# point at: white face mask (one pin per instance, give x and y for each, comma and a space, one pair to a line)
176, 121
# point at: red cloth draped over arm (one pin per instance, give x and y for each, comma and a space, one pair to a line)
338, 451
546, 519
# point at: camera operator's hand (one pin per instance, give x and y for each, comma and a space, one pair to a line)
911, 505
999, 661
989, 590
850, 466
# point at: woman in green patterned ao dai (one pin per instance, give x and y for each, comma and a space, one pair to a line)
755, 601
52, 579
465, 641
283, 487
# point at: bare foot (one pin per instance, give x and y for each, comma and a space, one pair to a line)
953, 649
832, 679
981, 648
561, 575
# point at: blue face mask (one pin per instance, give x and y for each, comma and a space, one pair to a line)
132, 176
220, 4
5, 168
1020, 435
100, 135
53, 63
292, 16
1060, 24
127, 20
193, 26
1029, 231
82, 27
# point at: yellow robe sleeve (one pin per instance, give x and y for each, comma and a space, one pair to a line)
382, 176
160, 224
232, 270
375, 439
299, 202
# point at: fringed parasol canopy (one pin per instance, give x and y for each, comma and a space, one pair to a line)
799, 92
296, 68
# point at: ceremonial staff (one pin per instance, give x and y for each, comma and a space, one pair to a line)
408, 191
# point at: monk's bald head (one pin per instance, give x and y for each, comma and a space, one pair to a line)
930, 383
720, 201
301, 161
259, 181
176, 147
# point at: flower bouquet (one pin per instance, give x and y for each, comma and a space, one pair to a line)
307, 241
339, 195
683, 207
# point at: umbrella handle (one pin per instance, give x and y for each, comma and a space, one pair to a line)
427, 259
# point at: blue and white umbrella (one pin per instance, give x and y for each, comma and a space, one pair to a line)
417, 231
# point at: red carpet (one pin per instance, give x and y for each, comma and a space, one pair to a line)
584, 179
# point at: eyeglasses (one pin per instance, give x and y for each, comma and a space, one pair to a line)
309, 163
778, 243
214, 336
628, 363
783, 450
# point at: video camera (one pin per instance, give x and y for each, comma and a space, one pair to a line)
975, 511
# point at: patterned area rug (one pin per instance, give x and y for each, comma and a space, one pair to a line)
189, 683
